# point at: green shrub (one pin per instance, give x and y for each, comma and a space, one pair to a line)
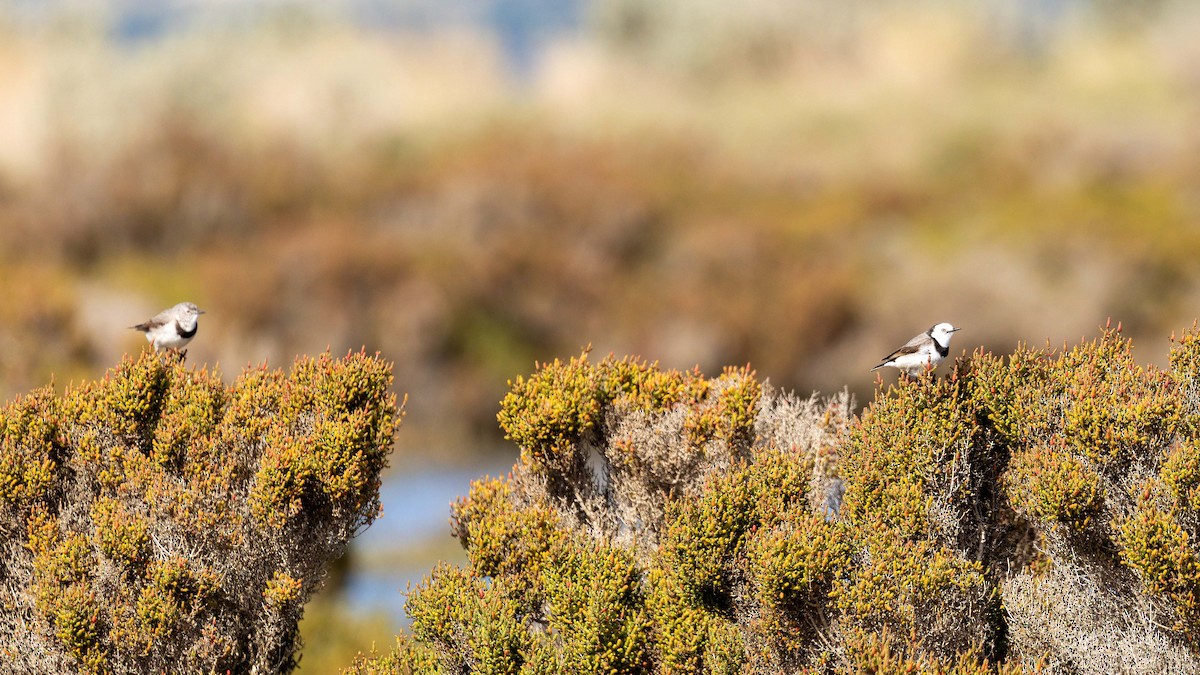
473, 625
934, 599
704, 537
553, 410
121, 536
690, 638
407, 657
1181, 474
1153, 544
998, 518
912, 446
30, 448
794, 567
644, 561
504, 540
1054, 487
166, 522
596, 610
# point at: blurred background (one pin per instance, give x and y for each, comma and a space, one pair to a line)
468, 186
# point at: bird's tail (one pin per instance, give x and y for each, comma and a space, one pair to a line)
879, 366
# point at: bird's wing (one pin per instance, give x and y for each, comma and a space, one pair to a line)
150, 324
917, 342
911, 347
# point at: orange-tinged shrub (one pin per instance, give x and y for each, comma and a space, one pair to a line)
996, 518
170, 523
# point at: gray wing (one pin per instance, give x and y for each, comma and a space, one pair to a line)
159, 319
911, 347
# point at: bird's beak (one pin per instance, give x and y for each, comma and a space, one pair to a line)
200, 311
952, 330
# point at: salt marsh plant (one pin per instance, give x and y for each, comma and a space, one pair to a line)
158, 520
1021, 513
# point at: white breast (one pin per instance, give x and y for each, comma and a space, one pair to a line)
166, 337
914, 363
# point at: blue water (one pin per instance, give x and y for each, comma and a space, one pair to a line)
522, 27
416, 508
373, 593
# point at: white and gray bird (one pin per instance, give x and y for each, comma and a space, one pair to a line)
172, 328
924, 351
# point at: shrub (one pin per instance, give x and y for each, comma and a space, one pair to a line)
794, 568
160, 521
596, 609
1155, 546
1054, 488
472, 624
407, 657
623, 540
1022, 513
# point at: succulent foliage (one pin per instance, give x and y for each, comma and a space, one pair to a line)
158, 520
1036, 511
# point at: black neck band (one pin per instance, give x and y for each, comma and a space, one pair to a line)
189, 333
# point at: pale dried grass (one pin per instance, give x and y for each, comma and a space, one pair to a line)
1087, 617
615, 485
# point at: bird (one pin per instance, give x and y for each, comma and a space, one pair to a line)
923, 351
172, 328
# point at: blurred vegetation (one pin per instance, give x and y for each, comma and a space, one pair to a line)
674, 183
1023, 513
332, 635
